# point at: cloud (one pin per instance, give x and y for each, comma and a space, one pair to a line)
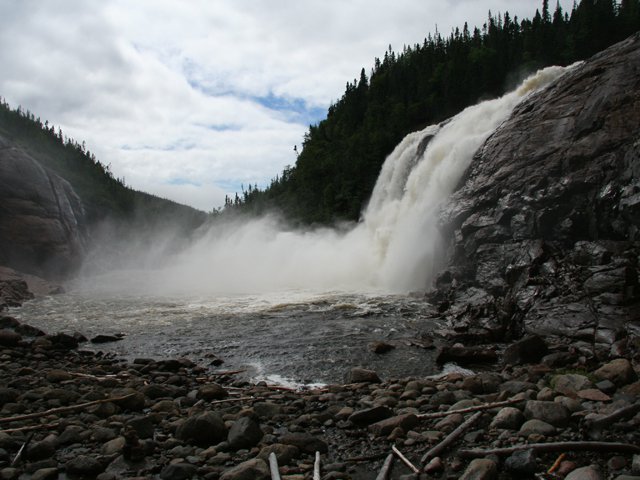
213, 94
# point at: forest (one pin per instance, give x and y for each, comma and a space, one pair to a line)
341, 156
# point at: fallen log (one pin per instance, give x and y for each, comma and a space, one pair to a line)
577, 446
486, 406
452, 437
54, 411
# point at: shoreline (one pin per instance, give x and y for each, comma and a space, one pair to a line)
182, 421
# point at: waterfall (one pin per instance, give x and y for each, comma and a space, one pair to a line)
395, 248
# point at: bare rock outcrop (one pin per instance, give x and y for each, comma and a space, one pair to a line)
545, 225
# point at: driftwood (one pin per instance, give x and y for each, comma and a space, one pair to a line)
23, 448
557, 463
452, 437
554, 447
42, 426
364, 458
405, 460
71, 408
486, 406
237, 399
316, 467
607, 420
385, 471
273, 466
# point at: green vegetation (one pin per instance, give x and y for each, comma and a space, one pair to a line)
342, 155
101, 193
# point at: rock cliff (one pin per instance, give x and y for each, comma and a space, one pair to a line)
42, 228
545, 225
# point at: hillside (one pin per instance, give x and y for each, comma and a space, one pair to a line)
424, 84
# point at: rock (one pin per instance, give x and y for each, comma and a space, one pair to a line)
106, 338
84, 465
202, 429
57, 376
523, 462
627, 477
508, 417
466, 355
606, 386
362, 375
618, 371
8, 395
370, 415
380, 347
529, 349
550, 412
142, 425
305, 442
113, 446
41, 450
585, 473
9, 338
267, 410
284, 453
9, 474
244, 433
480, 469
155, 391
482, 383
537, 427
594, 395
384, 427
254, 469
570, 384
211, 391
45, 474
178, 471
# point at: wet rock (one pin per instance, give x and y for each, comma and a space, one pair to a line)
466, 355
305, 442
480, 469
211, 391
107, 338
508, 417
84, 465
362, 375
155, 391
529, 349
550, 412
254, 469
385, 427
202, 429
370, 415
619, 371
63, 341
570, 384
523, 462
482, 383
380, 347
178, 471
9, 338
244, 433
585, 473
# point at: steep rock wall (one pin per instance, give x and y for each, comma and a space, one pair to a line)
42, 228
545, 226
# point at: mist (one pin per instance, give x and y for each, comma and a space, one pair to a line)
396, 247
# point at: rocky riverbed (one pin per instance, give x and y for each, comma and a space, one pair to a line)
173, 419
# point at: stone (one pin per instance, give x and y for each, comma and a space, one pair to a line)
142, 425
244, 433
466, 355
509, 418
284, 453
254, 469
594, 395
585, 473
155, 391
106, 338
212, 391
9, 338
480, 469
606, 386
9, 473
529, 349
267, 410
482, 383
41, 450
203, 429
305, 442
84, 465
370, 415
537, 427
523, 462
385, 427
551, 412
8, 395
381, 347
178, 471
618, 371
570, 384
362, 375
113, 446
49, 473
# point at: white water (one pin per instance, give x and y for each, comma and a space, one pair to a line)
394, 249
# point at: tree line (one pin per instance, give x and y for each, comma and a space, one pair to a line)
341, 156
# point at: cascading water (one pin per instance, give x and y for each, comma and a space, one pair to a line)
298, 304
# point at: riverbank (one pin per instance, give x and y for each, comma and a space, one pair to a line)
173, 419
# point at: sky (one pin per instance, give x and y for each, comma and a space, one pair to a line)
190, 100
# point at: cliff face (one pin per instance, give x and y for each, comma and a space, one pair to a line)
545, 226
42, 228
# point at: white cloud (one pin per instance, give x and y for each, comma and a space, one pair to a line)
166, 91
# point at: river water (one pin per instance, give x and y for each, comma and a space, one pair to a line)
288, 304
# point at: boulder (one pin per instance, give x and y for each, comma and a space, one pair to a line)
244, 433
529, 349
551, 412
254, 469
203, 429
619, 371
362, 375
305, 442
480, 469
